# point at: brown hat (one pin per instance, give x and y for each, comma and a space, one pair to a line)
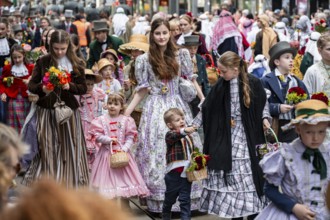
111, 51
311, 111
136, 42
100, 26
97, 78
104, 63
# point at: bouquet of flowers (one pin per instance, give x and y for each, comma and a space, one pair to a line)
197, 169
322, 97
56, 77
31, 55
296, 95
321, 26
8, 80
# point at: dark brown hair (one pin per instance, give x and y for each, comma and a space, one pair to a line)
19, 49
168, 115
62, 37
164, 65
231, 60
4, 21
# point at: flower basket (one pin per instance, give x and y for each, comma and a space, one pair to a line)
118, 159
263, 149
197, 175
197, 169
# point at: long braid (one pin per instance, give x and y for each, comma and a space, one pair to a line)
246, 85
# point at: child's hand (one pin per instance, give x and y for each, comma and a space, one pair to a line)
190, 130
284, 108
266, 124
45, 90
66, 86
4, 97
114, 139
302, 212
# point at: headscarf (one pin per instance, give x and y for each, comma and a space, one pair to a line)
304, 24
141, 26
282, 32
269, 37
119, 22
311, 46
226, 28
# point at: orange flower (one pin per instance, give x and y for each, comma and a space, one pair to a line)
63, 81
47, 74
50, 86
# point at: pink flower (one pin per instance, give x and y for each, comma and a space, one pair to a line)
27, 47
45, 79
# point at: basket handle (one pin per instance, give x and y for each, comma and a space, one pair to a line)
273, 133
211, 58
120, 146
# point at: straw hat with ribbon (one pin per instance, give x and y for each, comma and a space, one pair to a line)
110, 51
311, 112
89, 73
104, 63
136, 42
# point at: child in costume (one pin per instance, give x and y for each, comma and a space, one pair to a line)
179, 148
90, 108
109, 84
300, 168
112, 56
13, 88
119, 131
279, 82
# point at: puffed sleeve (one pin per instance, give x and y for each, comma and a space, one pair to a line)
130, 134
273, 166
141, 72
99, 93
97, 133
186, 65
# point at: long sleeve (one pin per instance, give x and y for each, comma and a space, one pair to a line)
173, 136
130, 134
78, 84
282, 201
35, 83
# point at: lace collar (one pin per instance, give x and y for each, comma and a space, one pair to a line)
19, 70
4, 47
65, 64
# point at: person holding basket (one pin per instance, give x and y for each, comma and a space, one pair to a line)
116, 134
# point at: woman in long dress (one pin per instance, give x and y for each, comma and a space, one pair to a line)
158, 73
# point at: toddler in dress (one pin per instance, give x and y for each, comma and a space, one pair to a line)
120, 131
301, 168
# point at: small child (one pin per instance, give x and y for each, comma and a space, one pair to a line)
13, 88
112, 56
18, 33
179, 148
301, 168
90, 108
120, 131
109, 84
279, 82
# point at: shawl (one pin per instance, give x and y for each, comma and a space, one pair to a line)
217, 130
226, 28
269, 37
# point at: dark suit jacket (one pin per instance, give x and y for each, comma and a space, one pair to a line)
202, 49
271, 83
11, 42
73, 28
202, 75
96, 49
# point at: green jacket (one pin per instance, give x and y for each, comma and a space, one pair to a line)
95, 50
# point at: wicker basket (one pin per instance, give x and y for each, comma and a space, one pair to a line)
118, 159
197, 175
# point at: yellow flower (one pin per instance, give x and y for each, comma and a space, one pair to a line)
29, 41
5, 79
52, 69
6, 62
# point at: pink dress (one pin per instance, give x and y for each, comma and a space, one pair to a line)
120, 182
90, 108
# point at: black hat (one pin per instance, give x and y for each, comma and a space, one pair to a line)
277, 50
192, 40
100, 26
5, 13
17, 28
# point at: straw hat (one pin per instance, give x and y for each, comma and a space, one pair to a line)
311, 112
104, 63
136, 42
111, 51
97, 78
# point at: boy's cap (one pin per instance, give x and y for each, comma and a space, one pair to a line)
104, 63
192, 40
311, 112
97, 78
277, 50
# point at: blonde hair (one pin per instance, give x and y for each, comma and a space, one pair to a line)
170, 113
51, 201
174, 23
232, 60
323, 40
187, 18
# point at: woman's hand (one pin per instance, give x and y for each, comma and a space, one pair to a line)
302, 212
4, 97
45, 90
284, 108
266, 124
66, 86
127, 84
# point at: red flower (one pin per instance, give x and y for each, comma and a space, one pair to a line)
50, 86
199, 159
297, 90
321, 96
322, 21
